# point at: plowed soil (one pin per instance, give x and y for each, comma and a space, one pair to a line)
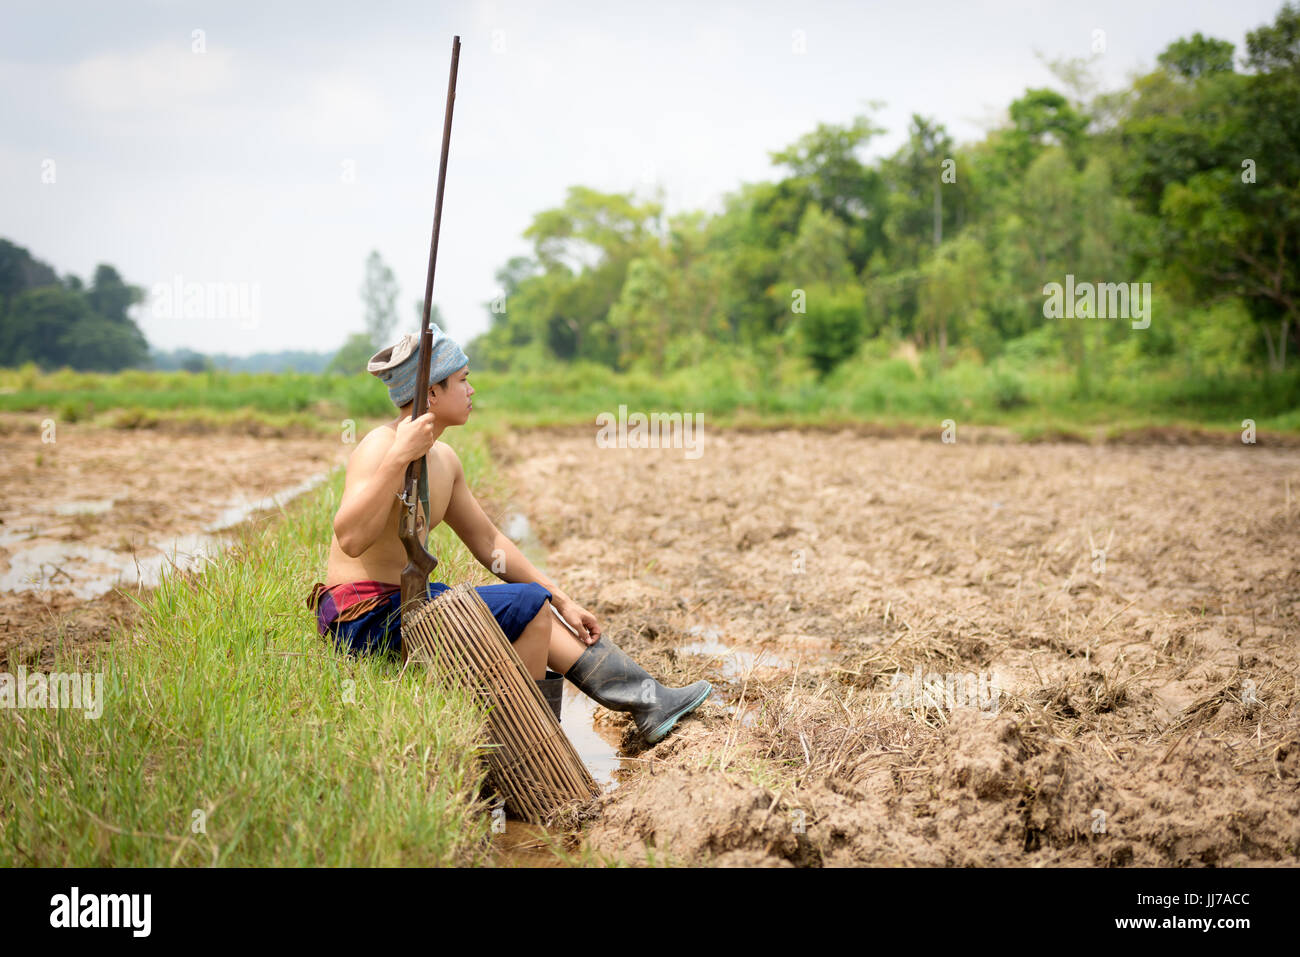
1129, 613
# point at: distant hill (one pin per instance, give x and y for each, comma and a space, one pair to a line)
289, 360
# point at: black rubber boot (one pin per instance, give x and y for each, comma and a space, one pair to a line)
552, 689
608, 676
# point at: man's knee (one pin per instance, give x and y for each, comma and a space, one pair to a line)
543, 613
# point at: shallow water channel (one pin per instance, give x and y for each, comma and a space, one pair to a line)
88, 571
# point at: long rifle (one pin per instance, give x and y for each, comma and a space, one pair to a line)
419, 563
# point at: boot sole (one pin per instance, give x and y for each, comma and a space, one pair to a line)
663, 729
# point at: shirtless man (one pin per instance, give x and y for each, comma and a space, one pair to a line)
359, 602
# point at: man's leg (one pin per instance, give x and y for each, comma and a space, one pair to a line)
606, 675
546, 641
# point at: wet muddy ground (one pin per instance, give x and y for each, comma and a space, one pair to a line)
84, 509
979, 653
930, 654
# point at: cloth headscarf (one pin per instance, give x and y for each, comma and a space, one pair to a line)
397, 364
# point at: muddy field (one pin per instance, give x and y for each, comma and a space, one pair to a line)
85, 508
982, 653
930, 654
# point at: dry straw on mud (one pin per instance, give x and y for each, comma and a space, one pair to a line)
530, 760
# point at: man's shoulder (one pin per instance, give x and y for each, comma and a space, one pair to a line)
446, 453
373, 446
380, 434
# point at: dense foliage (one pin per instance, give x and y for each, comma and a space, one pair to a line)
62, 322
1187, 180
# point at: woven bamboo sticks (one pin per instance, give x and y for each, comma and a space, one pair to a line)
532, 762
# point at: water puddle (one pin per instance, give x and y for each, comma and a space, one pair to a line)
528, 845
240, 511
522, 844
733, 662
597, 747
748, 718
519, 530
88, 571
10, 535
83, 508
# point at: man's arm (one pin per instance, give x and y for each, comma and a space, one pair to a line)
374, 478
484, 540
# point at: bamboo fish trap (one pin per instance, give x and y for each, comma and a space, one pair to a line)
531, 761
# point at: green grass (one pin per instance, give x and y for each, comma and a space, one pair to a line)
137, 399
225, 701
890, 392
1026, 392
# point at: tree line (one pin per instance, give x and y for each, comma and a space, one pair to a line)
1188, 179
58, 321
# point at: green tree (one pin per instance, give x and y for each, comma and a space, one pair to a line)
952, 294
830, 329
38, 323
1197, 56
57, 322
642, 319
918, 219
925, 204
379, 297
818, 252
19, 271
1047, 250
1217, 154
1040, 119
353, 356
584, 249
55, 326
592, 228
97, 343
1276, 49
827, 171
745, 241
112, 298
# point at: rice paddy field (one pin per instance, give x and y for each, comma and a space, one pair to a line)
1049, 634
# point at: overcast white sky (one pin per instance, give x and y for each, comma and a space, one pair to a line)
229, 166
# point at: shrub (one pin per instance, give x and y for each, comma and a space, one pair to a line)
1007, 391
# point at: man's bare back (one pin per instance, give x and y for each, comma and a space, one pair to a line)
384, 560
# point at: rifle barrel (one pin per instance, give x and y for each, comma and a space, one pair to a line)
420, 564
